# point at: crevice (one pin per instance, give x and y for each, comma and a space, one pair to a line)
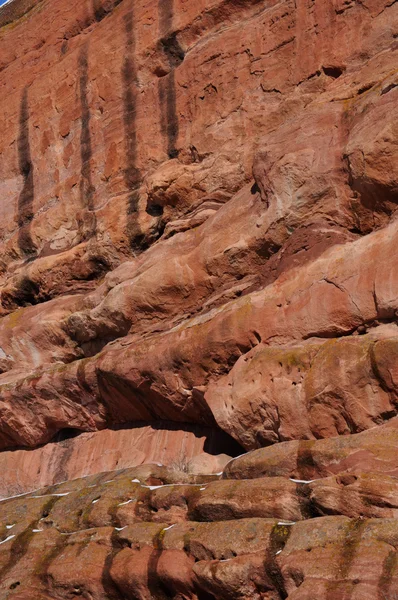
365, 88
388, 88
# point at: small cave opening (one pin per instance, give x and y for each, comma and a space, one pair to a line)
14, 585
66, 434
155, 210
254, 189
216, 441
172, 49
334, 72
220, 442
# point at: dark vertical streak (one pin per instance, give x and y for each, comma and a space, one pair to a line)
167, 86
26, 197
86, 186
169, 119
166, 8
132, 174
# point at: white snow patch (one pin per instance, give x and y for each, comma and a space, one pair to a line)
48, 495
279, 551
302, 480
154, 487
169, 527
136, 481
234, 458
37, 530
120, 528
201, 489
127, 502
286, 522
8, 538
94, 501
10, 526
17, 495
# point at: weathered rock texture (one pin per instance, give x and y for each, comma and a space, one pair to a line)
199, 257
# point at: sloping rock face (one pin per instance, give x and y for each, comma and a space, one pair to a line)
199, 261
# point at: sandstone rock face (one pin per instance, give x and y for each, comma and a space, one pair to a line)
137, 535
199, 299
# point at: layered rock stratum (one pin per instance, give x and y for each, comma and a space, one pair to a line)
198, 299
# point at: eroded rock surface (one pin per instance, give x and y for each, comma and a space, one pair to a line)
198, 269
152, 532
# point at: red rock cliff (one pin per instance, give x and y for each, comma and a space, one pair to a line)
198, 260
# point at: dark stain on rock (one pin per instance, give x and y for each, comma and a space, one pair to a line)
349, 547
353, 537
110, 588
25, 293
61, 473
167, 86
102, 9
278, 538
156, 587
132, 175
307, 507
26, 169
20, 545
386, 578
99, 10
306, 465
49, 558
87, 228
169, 120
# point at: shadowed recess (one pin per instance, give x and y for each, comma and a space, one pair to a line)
102, 9
167, 85
99, 10
26, 197
86, 186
